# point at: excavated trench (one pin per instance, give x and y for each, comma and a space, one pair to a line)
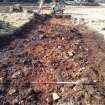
52, 51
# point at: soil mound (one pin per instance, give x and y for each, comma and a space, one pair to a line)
53, 52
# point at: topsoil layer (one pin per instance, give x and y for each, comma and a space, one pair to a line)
52, 52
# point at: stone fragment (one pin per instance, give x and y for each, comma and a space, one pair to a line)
16, 74
49, 100
12, 91
55, 96
15, 102
70, 53
1, 80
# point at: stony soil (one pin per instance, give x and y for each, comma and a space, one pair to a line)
52, 52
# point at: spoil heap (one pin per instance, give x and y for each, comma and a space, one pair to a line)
52, 52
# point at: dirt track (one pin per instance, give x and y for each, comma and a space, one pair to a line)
53, 52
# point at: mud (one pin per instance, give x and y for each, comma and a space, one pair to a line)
53, 52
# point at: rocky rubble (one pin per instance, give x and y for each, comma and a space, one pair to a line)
52, 52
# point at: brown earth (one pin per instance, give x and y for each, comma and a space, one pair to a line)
53, 52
